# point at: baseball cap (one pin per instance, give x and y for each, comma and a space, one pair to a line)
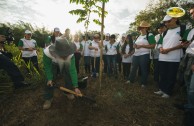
28, 32
167, 18
107, 34
123, 35
56, 29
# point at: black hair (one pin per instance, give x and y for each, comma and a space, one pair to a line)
113, 36
129, 36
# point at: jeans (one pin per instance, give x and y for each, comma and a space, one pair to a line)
126, 70
95, 69
105, 63
112, 63
168, 74
77, 59
87, 64
142, 62
156, 70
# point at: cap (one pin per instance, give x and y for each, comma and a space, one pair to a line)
28, 32
123, 35
107, 34
167, 18
56, 29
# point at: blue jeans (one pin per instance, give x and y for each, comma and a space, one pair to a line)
112, 63
95, 69
142, 62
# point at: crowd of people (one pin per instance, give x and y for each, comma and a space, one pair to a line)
171, 50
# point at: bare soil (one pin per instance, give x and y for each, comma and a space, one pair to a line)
117, 104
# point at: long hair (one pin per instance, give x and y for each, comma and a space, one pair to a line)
130, 42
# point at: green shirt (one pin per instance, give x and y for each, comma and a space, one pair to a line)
49, 73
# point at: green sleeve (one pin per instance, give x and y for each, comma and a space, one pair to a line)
47, 62
73, 72
20, 43
160, 41
151, 39
186, 33
48, 40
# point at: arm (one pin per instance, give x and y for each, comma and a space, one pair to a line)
165, 51
47, 62
73, 73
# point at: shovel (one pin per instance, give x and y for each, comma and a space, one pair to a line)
84, 97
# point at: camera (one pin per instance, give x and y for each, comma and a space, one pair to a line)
9, 36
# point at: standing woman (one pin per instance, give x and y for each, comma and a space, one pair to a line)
142, 45
28, 48
111, 49
78, 51
127, 52
95, 54
52, 39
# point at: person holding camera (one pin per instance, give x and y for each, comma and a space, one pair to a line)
28, 47
11, 69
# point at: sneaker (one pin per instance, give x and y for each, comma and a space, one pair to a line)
70, 96
143, 86
47, 104
165, 95
128, 82
159, 92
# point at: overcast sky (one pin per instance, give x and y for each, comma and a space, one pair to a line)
54, 13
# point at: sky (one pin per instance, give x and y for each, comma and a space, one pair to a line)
55, 13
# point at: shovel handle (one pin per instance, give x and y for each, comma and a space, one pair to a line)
70, 91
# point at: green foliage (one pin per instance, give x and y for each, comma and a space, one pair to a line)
89, 6
154, 14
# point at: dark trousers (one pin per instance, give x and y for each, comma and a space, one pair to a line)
77, 59
87, 64
119, 61
97, 64
33, 60
168, 72
156, 70
12, 70
65, 75
105, 63
126, 70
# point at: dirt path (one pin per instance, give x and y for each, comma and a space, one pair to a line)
118, 104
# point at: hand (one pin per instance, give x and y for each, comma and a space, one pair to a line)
77, 91
192, 67
126, 55
30, 49
2, 38
50, 83
96, 49
185, 44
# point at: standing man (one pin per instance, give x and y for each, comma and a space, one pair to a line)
60, 54
28, 47
169, 57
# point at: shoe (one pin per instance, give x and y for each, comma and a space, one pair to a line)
165, 95
22, 85
128, 82
70, 96
143, 86
179, 106
47, 104
159, 92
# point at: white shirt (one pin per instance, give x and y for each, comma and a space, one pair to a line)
142, 40
171, 39
104, 44
77, 45
129, 58
28, 44
86, 50
112, 48
93, 52
190, 48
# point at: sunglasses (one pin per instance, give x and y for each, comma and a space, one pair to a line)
168, 21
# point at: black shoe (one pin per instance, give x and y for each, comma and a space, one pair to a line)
22, 85
180, 106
